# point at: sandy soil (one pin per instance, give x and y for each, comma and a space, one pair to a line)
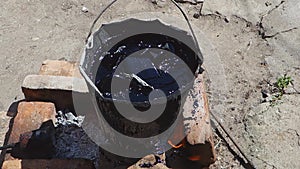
256, 43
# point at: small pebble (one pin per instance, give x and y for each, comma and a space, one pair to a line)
84, 9
35, 38
196, 15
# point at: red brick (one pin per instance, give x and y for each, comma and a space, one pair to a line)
56, 89
57, 82
198, 146
60, 68
30, 117
48, 164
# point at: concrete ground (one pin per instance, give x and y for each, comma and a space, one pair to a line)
255, 42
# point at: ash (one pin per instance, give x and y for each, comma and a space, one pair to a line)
71, 141
68, 119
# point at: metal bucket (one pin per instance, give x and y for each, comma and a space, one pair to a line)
105, 51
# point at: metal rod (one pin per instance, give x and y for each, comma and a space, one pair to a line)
232, 140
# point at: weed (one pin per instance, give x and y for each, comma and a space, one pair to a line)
282, 83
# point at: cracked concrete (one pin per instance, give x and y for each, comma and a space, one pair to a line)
275, 134
251, 10
284, 17
271, 133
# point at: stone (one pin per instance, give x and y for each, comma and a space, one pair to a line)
48, 164
30, 116
196, 15
84, 9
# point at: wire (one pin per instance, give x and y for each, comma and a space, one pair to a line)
97, 18
7, 146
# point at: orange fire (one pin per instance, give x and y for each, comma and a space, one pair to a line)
194, 158
175, 146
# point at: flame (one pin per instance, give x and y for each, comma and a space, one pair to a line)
194, 158
175, 146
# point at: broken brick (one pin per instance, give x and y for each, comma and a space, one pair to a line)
150, 162
30, 116
48, 164
60, 68
197, 149
56, 89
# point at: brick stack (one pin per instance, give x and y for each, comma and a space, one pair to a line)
52, 90
45, 93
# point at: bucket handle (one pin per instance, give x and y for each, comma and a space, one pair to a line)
173, 1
